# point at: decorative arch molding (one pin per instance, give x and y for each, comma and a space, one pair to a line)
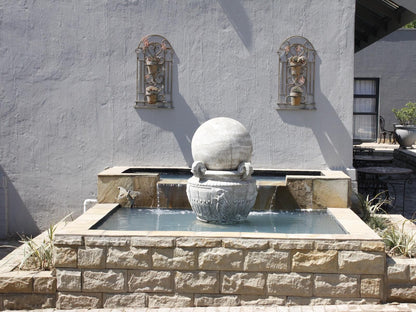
296, 74
154, 73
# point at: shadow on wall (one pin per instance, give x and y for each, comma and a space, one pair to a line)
181, 121
327, 127
14, 216
239, 19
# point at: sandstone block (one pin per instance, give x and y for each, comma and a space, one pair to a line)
134, 300
290, 284
315, 261
66, 301
174, 301
44, 282
128, 258
397, 272
373, 246
269, 260
337, 245
68, 280
65, 257
103, 280
197, 282
301, 191
150, 281
406, 293
336, 285
174, 259
243, 283
331, 193
358, 262
28, 301
72, 240
292, 244
16, 282
260, 244
158, 242
193, 242
262, 301
412, 272
106, 241
216, 300
371, 287
92, 258
220, 258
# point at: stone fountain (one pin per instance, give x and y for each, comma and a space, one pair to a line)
222, 189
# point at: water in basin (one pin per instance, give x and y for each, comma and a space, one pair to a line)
295, 222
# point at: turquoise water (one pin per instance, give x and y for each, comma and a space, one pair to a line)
295, 222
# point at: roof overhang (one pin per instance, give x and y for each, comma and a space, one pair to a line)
375, 19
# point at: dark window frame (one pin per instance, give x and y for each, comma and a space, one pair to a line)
375, 96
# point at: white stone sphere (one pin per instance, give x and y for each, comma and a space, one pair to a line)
221, 144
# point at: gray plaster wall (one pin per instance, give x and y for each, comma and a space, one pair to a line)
67, 91
393, 61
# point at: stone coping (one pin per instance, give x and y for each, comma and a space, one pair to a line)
355, 227
120, 171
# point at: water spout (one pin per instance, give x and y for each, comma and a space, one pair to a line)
126, 197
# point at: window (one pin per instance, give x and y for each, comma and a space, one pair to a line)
365, 109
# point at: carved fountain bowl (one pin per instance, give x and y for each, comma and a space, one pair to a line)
224, 200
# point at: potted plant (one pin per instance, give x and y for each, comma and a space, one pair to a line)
152, 64
405, 131
151, 94
296, 62
296, 95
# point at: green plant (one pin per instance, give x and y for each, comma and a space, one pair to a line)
400, 243
369, 207
38, 255
407, 114
412, 24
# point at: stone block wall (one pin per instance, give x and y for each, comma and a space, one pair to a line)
95, 272
21, 290
401, 280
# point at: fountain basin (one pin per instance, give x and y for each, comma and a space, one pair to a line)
106, 268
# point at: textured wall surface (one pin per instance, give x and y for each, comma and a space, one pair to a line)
67, 91
393, 60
